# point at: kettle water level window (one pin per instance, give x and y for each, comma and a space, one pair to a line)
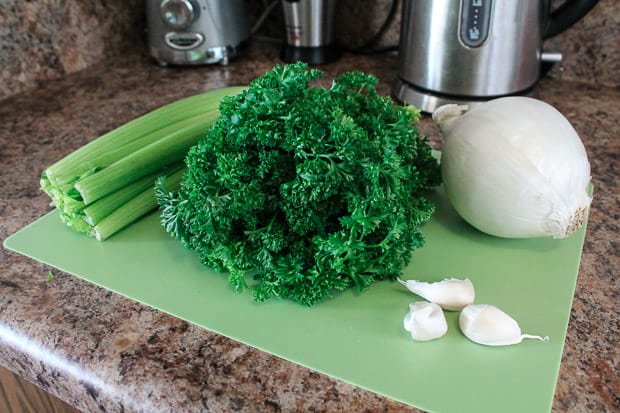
475, 17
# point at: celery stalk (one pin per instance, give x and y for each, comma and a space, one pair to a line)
166, 115
134, 209
170, 149
97, 211
108, 183
61, 192
109, 157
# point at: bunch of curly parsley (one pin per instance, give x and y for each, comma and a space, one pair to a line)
306, 190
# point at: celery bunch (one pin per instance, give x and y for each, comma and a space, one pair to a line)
107, 184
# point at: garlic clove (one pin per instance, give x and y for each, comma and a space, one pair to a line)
451, 294
488, 325
425, 321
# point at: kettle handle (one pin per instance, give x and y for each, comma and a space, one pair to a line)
567, 14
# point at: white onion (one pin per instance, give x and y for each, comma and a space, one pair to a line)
514, 167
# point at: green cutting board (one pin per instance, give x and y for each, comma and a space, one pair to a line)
358, 337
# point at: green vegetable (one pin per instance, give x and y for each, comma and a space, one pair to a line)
308, 190
131, 210
169, 149
107, 184
76, 163
95, 212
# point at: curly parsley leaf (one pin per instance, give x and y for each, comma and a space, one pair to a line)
306, 190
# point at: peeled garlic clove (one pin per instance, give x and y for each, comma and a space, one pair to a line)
488, 325
425, 321
451, 294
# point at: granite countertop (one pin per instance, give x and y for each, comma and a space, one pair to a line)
102, 352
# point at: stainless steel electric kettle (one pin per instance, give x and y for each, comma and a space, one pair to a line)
469, 51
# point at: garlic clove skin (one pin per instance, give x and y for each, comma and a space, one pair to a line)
488, 325
451, 294
514, 167
425, 321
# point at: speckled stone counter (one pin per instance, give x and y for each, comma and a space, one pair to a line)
102, 352
48, 39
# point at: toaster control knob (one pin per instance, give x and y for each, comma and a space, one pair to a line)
178, 14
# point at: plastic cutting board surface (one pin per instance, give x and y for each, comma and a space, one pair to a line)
358, 337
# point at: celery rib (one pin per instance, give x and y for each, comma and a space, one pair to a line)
97, 211
109, 183
152, 121
109, 157
135, 208
169, 149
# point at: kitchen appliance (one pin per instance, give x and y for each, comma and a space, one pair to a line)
470, 51
191, 32
310, 35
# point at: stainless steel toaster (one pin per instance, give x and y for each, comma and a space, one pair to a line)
191, 32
